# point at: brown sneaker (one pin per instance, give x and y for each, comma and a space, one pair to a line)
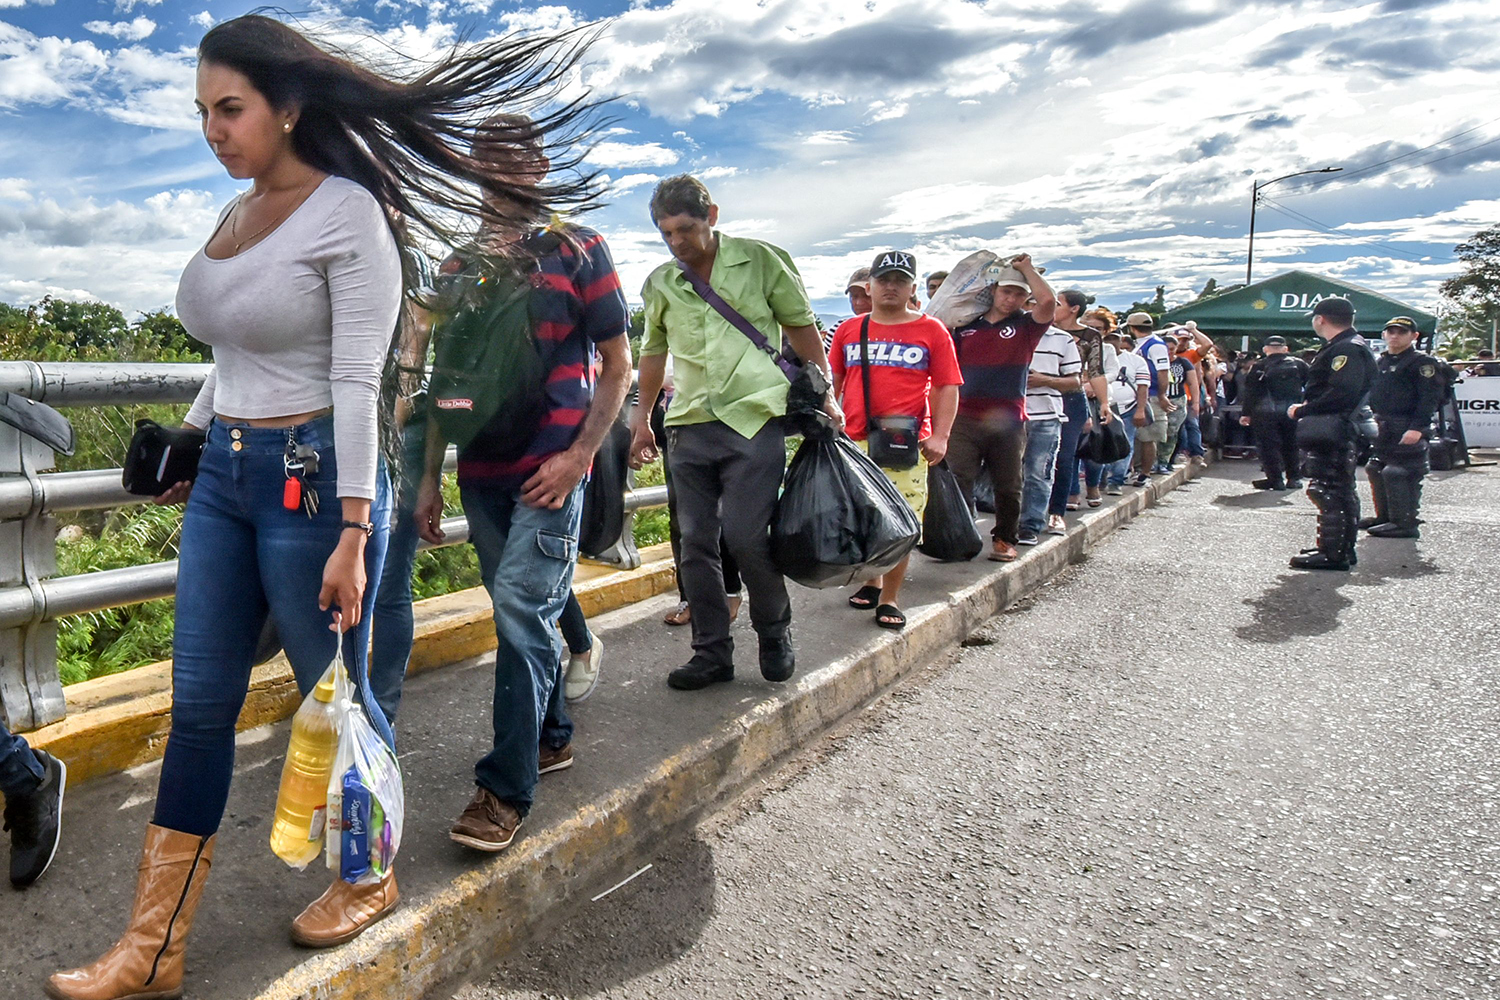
487, 824
549, 760
1003, 551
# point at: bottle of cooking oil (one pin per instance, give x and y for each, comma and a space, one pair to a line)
302, 803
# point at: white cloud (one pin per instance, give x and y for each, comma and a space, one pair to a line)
127, 6
44, 70
880, 111
622, 184
610, 154
829, 138
545, 18
131, 31
709, 173
203, 19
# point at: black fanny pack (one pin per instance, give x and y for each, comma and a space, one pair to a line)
892, 441
1324, 431
160, 458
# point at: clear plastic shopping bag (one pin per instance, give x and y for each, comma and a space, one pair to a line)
366, 801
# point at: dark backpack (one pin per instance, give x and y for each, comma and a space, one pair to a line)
488, 378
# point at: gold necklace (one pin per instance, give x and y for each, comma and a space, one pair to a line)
235, 218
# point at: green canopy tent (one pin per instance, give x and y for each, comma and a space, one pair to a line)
1282, 305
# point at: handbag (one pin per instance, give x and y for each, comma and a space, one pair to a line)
809, 386
1104, 443
1211, 427
892, 441
1324, 431
160, 458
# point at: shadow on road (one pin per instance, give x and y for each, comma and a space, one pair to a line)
1309, 603
645, 925
1258, 500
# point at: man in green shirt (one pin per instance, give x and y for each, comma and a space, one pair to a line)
725, 442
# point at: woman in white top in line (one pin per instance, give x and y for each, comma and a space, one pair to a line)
299, 292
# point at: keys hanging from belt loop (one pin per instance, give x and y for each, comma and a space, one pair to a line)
299, 461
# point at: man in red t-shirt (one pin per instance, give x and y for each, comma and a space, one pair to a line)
913, 374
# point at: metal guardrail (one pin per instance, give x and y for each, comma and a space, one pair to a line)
31, 599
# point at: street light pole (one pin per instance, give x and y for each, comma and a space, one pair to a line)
1256, 187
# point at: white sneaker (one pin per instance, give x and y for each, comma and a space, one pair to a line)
1056, 525
583, 671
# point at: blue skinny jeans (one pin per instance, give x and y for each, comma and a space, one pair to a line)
392, 625
1065, 481
244, 557
1038, 469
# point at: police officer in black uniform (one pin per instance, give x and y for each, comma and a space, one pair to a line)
1406, 394
1338, 380
1273, 385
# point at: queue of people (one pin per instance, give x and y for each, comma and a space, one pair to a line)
342, 358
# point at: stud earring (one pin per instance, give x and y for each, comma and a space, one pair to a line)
286, 126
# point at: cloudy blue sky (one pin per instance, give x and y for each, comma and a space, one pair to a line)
1116, 140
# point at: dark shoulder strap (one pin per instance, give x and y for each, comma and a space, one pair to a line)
733, 317
864, 368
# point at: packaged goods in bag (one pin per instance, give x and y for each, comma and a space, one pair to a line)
948, 529
839, 518
968, 291
366, 800
302, 803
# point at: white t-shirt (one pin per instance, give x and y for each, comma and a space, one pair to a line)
1131, 372
1056, 355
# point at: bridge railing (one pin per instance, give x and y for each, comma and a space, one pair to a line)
32, 596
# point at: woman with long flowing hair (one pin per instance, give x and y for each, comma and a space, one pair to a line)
299, 290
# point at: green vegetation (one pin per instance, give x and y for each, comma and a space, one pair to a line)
107, 642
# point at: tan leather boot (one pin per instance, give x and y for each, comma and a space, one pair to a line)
344, 912
146, 963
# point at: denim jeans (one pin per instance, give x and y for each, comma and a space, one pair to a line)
1038, 467
526, 558
574, 627
1117, 471
245, 557
392, 625
20, 770
1065, 480
1192, 436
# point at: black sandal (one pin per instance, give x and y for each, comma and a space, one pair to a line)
864, 598
885, 611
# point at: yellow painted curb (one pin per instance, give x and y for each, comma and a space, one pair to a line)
121, 721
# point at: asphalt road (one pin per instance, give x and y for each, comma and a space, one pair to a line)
1181, 770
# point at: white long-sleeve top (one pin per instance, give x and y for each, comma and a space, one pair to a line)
301, 321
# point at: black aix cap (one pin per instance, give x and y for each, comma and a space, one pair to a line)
894, 260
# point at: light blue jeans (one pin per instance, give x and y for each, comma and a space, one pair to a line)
526, 558
1038, 467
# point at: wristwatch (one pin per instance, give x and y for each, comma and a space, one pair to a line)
365, 526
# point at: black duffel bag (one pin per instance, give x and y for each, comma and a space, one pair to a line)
949, 533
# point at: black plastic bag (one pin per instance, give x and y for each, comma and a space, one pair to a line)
948, 529
1211, 426
1104, 443
839, 520
603, 519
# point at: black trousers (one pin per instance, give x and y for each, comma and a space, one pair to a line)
1396, 472
732, 583
726, 488
1330, 475
1276, 441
